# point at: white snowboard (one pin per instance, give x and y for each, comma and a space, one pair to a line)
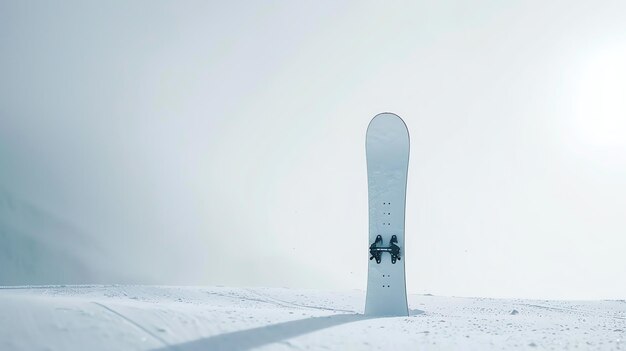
387, 148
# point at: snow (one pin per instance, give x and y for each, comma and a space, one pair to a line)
123, 317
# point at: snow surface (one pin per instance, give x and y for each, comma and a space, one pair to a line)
125, 317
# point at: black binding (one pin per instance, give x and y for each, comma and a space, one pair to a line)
376, 250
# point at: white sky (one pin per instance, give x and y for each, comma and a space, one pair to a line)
213, 143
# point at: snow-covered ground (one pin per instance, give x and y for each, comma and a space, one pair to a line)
221, 318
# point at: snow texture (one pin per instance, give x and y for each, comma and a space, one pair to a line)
221, 318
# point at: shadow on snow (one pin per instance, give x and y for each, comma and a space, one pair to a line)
256, 337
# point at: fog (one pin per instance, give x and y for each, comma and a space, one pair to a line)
206, 143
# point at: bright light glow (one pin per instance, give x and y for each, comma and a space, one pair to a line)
600, 106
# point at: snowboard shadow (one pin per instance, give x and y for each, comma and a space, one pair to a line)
415, 312
257, 337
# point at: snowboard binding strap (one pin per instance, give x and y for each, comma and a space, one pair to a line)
376, 251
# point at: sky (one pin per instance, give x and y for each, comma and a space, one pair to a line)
223, 143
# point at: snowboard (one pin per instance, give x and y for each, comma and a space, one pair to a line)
387, 152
